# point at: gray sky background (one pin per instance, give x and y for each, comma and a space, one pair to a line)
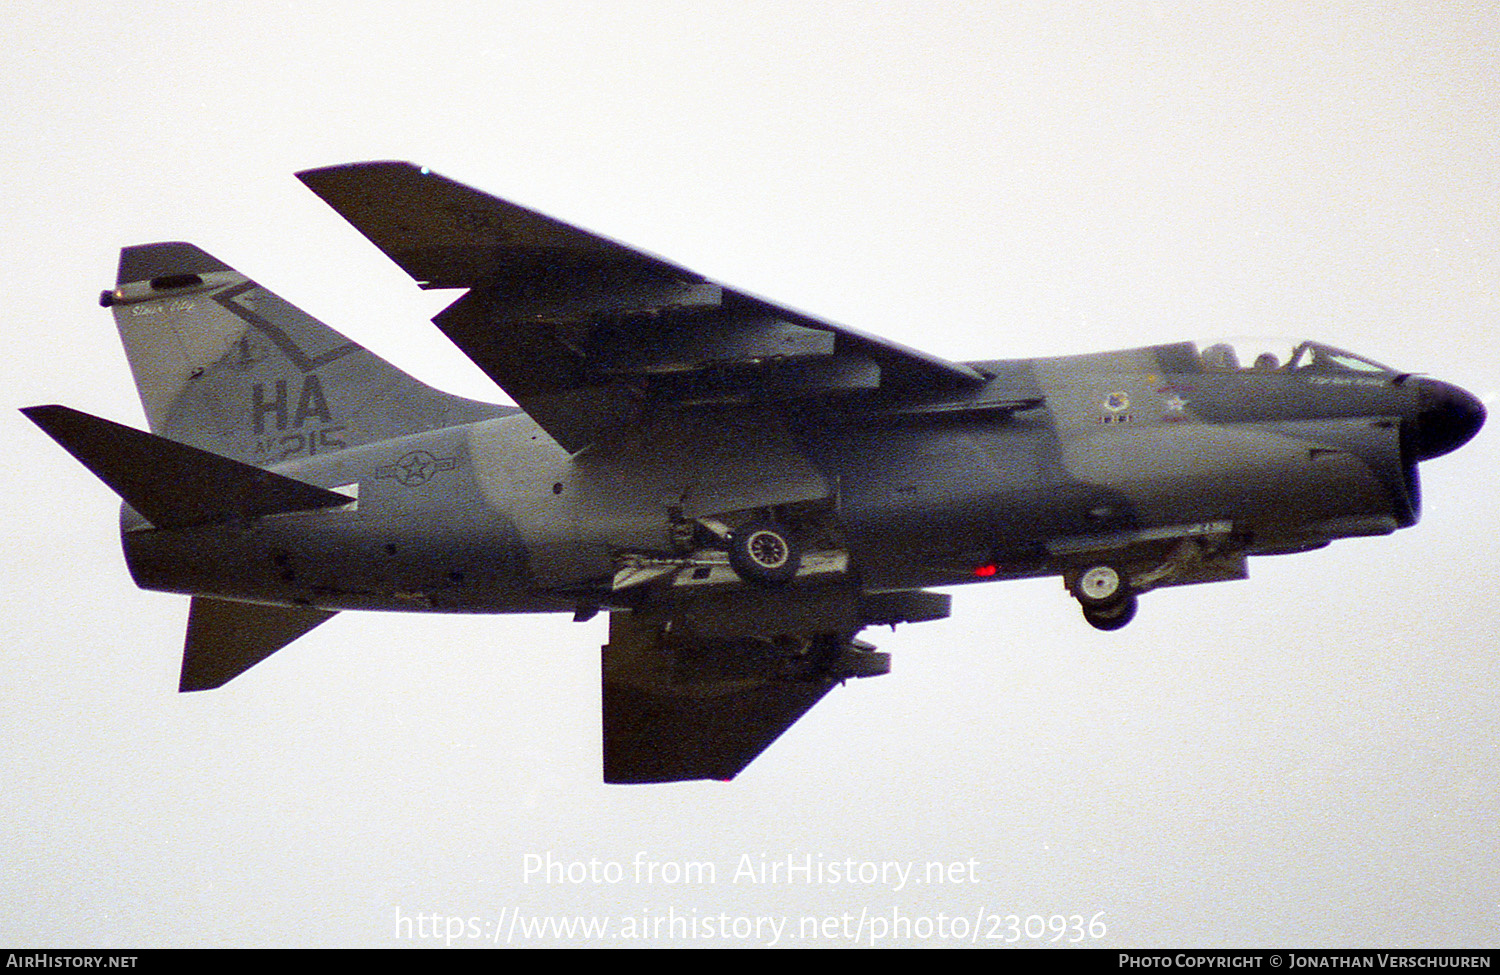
1305, 758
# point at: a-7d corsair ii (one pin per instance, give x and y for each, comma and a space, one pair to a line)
742, 487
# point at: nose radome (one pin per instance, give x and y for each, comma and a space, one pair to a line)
1447, 418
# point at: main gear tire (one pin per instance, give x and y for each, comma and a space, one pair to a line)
765, 553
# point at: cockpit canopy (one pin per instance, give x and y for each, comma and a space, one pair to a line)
1268, 354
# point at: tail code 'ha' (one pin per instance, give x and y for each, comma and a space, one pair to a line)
223, 364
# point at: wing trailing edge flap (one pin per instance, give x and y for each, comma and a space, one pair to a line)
225, 639
582, 376
170, 484
582, 330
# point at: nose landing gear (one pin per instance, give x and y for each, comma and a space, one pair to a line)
1103, 591
1112, 617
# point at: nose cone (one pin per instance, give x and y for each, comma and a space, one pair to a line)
1447, 418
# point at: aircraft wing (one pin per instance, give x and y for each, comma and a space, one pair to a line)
680, 703
588, 335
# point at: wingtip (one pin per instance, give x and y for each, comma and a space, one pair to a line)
322, 174
44, 413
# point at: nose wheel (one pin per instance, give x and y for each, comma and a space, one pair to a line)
1111, 617
1103, 591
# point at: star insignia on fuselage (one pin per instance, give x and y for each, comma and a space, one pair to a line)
417, 467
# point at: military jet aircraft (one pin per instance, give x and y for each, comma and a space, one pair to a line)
741, 487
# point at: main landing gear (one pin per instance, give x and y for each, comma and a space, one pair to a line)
764, 553
1103, 591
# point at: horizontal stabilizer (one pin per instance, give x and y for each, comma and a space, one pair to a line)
225, 639
173, 485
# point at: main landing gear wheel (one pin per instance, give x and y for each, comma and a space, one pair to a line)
764, 553
1111, 617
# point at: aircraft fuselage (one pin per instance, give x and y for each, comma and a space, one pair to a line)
1119, 453
743, 487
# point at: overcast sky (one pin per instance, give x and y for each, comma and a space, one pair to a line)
1304, 758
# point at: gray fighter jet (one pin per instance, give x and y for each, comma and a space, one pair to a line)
742, 487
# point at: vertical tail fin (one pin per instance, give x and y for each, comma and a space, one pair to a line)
223, 364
